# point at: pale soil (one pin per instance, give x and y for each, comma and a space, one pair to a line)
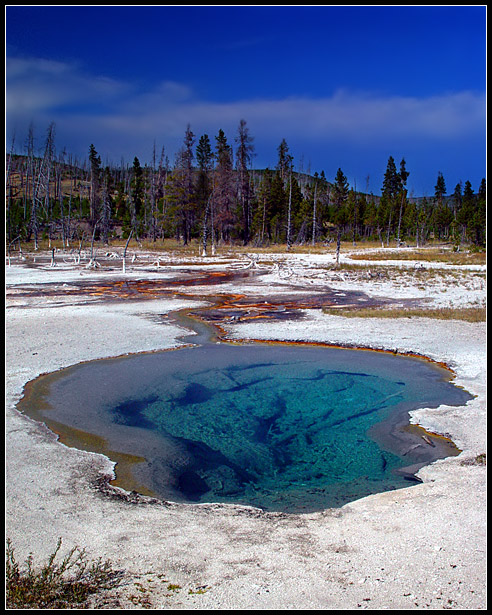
420, 547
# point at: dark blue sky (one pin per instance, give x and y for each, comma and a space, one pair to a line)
345, 86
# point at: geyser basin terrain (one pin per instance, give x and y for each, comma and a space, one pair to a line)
283, 428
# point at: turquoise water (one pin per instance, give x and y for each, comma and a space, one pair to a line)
289, 428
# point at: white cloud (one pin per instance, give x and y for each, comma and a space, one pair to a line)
353, 117
344, 116
20, 67
35, 85
122, 118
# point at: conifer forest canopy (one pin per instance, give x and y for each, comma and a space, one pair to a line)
211, 193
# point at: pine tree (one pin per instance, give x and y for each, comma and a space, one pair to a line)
204, 155
442, 215
467, 210
95, 184
301, 212
480, 218
392, 186
284, 172
440, 188
284, 160
244, 156
403, 198
392, 180
457, 198
339, 196
224, 189
278, 198
421, 222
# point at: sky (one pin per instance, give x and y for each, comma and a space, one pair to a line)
345, 86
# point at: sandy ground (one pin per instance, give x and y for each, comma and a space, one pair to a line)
420, 547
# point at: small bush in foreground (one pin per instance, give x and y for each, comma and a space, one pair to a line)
479, 460
63, 585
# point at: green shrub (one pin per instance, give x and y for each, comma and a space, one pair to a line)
67, 584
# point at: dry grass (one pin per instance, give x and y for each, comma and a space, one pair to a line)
194, 246
470, 314
369, 250
427, 255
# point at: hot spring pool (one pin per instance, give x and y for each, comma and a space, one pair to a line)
283, 428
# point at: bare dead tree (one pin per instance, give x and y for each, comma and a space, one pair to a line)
212, 210
78, 256
105, 219
289, 215
354, 220
70, 196
59, 195
263, 220
9, 188
205, 226
92, 260
11, 243
153, 222
48, 160
32, 186
162, 178
208, 215
398, 242
124, 251
9, 162
313, 241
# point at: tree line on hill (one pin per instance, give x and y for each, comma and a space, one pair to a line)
212, 194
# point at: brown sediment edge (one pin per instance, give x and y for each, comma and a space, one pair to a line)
223, 336
412, 427
241, 341
77, 438
84, 440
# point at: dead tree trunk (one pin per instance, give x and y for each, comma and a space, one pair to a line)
399, 220
289, 213
205, 227
339, 237
10, 244
313, 241
124, 251
92, 261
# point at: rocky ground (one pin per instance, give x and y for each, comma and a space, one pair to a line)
420, 547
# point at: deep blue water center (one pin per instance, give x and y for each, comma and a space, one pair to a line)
283, 428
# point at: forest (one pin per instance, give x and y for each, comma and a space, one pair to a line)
211, 194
